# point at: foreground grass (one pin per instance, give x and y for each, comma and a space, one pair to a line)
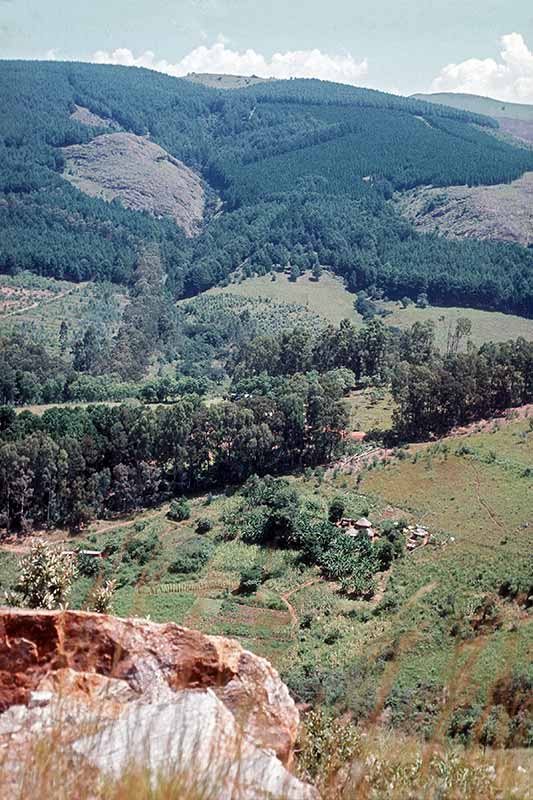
342, 761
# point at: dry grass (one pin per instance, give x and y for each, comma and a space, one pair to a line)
344, 762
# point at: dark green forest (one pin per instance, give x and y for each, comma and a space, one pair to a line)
304, 168
285, 412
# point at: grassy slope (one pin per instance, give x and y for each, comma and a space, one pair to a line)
333, 302
480, 105
486, 325
327, 297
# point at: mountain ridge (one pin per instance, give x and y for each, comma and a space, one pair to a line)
303, 171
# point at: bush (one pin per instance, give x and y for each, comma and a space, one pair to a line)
46, 576
251, 579
204, 525
192, 556
336, 509
141, 549
179, 510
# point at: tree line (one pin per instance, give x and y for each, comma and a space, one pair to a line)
305, 170
71, 464
433, 391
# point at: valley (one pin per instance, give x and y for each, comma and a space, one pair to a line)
266, 373
478, 510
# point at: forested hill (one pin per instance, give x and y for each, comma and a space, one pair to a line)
304, 170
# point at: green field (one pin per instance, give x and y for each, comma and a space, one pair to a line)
486, 325
329, 299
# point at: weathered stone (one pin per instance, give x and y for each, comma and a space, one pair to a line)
71, 652
195, 741
139, 173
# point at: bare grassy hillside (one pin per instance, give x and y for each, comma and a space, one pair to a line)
140, 174
503, 212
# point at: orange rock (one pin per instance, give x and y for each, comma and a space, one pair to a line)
43, 650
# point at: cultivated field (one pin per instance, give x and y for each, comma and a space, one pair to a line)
38, 306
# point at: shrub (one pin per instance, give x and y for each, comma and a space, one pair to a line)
141, 549
46, 576
192, 556
251, 579
336, 509
179, 510
101, 598
204, 525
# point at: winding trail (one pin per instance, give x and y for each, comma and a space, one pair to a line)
285, 598
44, 302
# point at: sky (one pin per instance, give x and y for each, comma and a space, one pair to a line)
477, 46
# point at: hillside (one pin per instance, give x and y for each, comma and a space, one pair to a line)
296, 172
503, 212
514, 118
138, 173
223, 81
453, 613
327, 300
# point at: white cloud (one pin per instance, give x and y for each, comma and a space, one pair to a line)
509, 79
221, 59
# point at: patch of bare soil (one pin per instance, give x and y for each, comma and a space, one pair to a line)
488, 425
521, 128
502, 212
87, 117
138, 173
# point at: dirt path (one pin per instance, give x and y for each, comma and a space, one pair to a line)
481, 500
44, 302
486, 425
22, 546
354, 464
290, 607
114, 525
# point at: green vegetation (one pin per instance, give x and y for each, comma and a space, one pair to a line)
70, 464
486, 326
304, 169
452, 614
326, 298
261, 387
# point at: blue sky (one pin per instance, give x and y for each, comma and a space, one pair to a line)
393, 44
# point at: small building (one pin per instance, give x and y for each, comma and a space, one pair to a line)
358, 527
89, 553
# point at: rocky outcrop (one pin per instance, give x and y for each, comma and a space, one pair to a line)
162, 695
140, 174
